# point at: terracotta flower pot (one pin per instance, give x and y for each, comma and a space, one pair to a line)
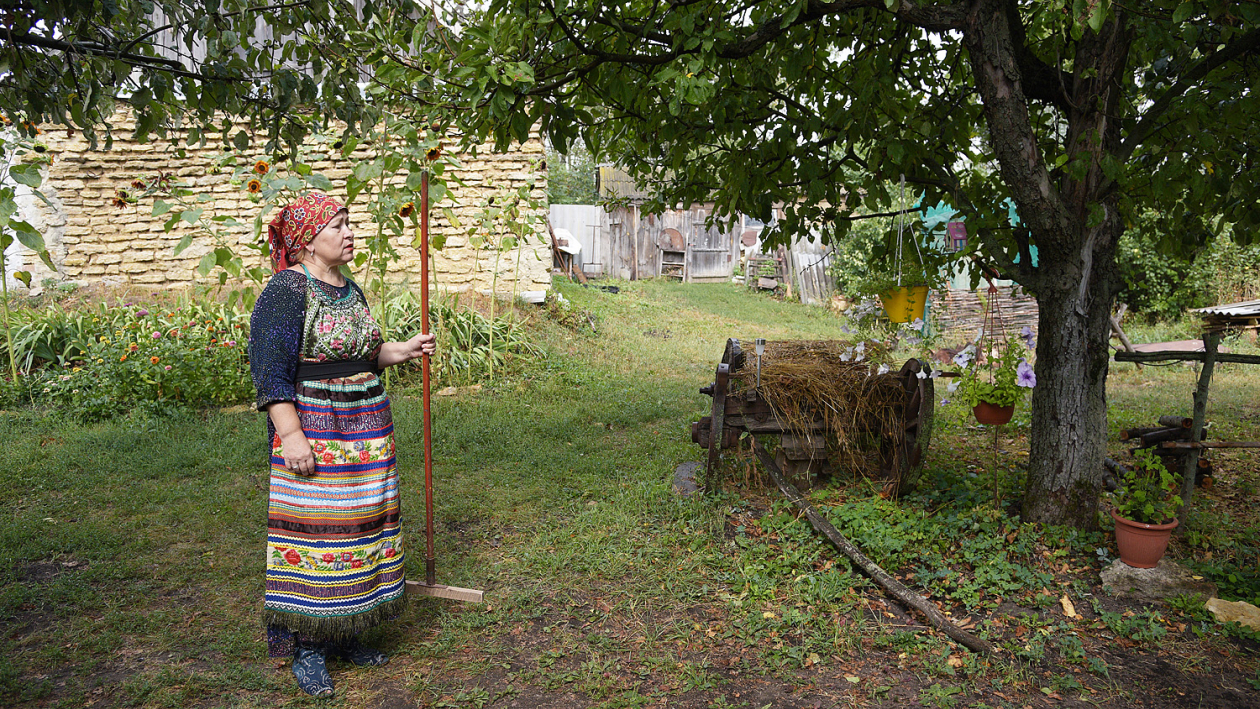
904, 304
992, 414
1142, 545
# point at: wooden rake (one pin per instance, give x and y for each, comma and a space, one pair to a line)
431, 587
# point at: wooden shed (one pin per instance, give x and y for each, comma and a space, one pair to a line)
677, 243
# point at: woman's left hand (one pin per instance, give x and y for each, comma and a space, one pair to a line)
398, 352
421, 345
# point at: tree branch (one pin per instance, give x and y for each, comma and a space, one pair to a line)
32, 40
1245, 44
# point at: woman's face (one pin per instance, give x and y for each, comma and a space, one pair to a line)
334, 244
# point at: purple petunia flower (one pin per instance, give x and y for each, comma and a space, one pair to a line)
944, 402
1029, 339
1024, 375
962, 359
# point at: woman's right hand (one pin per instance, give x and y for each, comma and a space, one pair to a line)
298, 456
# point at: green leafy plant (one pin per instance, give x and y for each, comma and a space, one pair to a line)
124, 356
22, 159
1149, 491
891, 266
995, 372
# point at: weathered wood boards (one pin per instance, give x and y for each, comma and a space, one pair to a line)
455, 593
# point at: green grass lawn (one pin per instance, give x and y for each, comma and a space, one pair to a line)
133, 550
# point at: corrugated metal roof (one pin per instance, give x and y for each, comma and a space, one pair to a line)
1246, 309
614, 183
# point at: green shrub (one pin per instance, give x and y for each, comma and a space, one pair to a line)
192, 354
1162, 283
97, 363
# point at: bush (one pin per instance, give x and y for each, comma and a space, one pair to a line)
192, 354
571, 178
100, 362
1162, 284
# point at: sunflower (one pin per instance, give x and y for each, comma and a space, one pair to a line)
138, 184
119, 202
406, 210
261, 167
433, 153
254, 186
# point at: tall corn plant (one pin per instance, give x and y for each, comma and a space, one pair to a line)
24, 159
507, 221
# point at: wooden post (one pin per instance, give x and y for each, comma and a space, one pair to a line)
1124, 339
1210, 342
634, 243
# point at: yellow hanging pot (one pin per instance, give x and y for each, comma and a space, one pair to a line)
904, 304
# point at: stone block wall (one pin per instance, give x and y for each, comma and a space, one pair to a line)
93, 242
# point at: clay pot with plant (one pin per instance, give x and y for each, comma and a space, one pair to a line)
901, 272
995, 377
1145, 511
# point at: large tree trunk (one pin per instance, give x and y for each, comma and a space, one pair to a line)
1074, 219
1067, 442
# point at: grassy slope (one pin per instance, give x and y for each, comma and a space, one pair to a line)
132, 550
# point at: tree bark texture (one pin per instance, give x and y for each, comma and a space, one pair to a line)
1073, 218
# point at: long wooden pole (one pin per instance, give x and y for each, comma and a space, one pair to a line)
894, 587
1172, 356
1211, 340
430, 558
430, 587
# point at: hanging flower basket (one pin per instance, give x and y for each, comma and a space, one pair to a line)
904, 304
992, 414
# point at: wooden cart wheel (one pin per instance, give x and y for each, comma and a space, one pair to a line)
919, 424
733, 355
904, 451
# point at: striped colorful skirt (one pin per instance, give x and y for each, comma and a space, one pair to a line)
334, 547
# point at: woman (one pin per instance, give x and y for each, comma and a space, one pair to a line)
334, 548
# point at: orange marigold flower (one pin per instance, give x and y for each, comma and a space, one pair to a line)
155, 359
261, 167
406, 210
254, 186
123, 358
434, 153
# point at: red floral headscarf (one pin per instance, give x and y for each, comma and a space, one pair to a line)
297, 224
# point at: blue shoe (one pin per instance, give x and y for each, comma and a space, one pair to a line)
312, 671
361, 655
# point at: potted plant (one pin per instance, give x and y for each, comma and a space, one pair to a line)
995, 377
902, 280
1145, 511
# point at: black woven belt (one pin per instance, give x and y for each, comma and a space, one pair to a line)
308, 371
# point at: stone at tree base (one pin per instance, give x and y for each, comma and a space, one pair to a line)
1238, 611
1166, 580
